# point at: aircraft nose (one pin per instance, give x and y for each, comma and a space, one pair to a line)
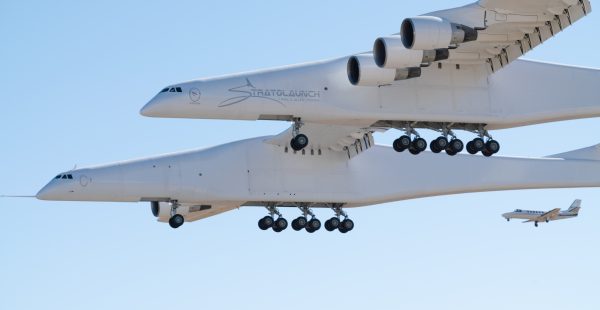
49, 192
152, 108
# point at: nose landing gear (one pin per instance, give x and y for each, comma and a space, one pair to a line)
176, 220
299, 141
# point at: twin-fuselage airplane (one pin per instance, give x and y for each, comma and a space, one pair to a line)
542, 216
447, 71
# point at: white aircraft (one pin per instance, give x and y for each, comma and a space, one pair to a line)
446, 71
541, 216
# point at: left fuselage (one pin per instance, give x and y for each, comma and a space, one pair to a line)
252, 171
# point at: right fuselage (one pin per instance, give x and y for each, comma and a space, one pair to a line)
523, 93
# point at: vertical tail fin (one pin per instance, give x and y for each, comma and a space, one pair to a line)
574, 208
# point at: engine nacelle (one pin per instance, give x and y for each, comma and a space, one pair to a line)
362, 71
430, 32
389, 52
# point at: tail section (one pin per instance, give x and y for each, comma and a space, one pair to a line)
588, 153
575, 207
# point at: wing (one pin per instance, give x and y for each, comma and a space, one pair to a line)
345, 139
507, 29
548, 216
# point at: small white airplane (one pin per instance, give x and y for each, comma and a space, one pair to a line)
541, 216
448, 71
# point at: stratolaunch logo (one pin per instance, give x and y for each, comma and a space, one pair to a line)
280, 96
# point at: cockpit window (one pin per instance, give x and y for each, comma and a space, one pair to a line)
70, 176
172, 90
64, 176
58, 176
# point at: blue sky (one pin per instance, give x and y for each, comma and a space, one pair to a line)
73, 77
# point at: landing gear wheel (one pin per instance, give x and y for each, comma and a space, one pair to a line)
536, 224
402, 143
176, 221
486, 153
313, 225
346, 226
478, 144
299, 223
492, 146
454, 147
332, 224
280, 224
438, 144
470, 148
419, 144
265, 222
475, 146
299, 142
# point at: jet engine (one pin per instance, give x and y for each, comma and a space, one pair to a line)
430, 32
389, 52
362, 71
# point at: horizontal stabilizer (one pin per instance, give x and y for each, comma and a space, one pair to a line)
588, 153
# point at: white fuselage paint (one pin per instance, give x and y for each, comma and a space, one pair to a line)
523, 93
253, 171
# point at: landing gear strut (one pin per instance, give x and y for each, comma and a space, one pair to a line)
176, 220
278, 225
414, 146
452, 146
335, 222
487, 148
299, 141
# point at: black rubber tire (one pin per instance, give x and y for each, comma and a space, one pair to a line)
419, 144
334, 223
486, 153
280, 224
413, 151
176, 221
309, 230
397, 147
434, 147
313, 224
492, 146
450, 151
293, 145
301, 141
265, 223
478, 144
299, 223
456, 145
471, 149
347, 225
404, 141
441, 142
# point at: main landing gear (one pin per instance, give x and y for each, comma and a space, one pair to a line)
334, 223
299, 141
414, 146
303, 222
487, 148
176, 220
447, 142
278, 225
